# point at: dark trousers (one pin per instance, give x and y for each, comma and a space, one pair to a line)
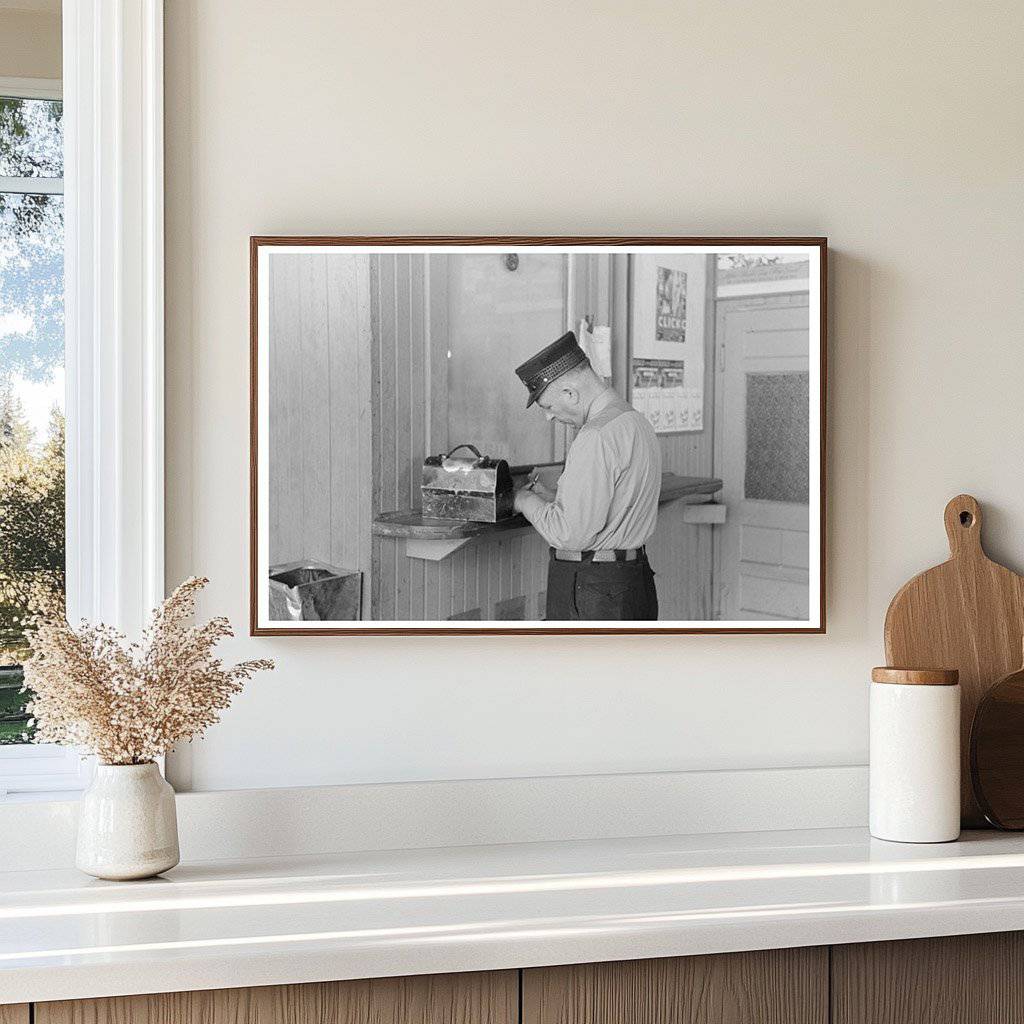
601, 590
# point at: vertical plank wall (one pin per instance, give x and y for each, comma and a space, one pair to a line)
319, 416
399, 312
682, 554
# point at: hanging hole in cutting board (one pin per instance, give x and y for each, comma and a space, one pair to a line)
966, 519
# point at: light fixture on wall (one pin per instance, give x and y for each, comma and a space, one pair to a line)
511, 260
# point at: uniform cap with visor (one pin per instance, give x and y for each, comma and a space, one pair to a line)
549, 364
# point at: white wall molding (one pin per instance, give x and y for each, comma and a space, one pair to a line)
112, 90
114, 328
235, 824
113, 110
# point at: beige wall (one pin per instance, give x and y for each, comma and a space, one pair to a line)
895, 129
30, 41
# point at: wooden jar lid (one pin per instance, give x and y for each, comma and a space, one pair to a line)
916, 676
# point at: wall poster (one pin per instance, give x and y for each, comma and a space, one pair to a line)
668, 341
671, 324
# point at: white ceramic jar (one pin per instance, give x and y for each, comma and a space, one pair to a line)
127, 824
915, 755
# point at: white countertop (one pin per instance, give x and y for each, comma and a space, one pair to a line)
223, 924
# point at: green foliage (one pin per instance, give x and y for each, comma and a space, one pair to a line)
31, 346
31, 524
14, 720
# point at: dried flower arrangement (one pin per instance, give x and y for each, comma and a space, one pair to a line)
130, 703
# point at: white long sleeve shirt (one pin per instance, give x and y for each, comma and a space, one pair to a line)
608, 494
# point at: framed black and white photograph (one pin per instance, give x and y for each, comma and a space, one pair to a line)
537, 435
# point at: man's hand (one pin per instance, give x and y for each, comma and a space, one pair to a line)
543, 492
533, 487
520, 498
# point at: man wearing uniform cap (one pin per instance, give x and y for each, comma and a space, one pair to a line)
605, 508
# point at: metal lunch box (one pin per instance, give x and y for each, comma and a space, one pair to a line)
477, 489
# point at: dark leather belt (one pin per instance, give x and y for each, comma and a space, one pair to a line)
616, 555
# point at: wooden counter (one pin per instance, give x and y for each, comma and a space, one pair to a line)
413, 526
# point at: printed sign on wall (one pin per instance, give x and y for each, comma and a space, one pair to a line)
668, 341
671, 321
660, 393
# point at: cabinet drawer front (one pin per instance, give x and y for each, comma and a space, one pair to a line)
477, 998
776, 986
960, 979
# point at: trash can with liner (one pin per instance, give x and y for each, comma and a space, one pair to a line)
314, 591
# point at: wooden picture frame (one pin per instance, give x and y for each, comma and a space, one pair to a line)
393, 319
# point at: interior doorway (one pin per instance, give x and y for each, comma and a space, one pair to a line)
762, 456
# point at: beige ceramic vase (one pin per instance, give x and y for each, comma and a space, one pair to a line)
127, 825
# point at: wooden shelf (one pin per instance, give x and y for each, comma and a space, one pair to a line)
436, 539
692, 488
412, 524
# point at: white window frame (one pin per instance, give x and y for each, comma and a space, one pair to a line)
114, 328
37, 767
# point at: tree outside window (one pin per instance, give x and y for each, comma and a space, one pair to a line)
31, 386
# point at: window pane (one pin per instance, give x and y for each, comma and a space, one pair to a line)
31, 430
31, 138
778, 464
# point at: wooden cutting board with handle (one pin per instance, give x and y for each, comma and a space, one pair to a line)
967, 614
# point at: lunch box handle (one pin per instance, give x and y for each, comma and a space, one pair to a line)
471, 447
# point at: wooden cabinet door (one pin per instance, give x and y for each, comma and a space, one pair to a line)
960, 979
14, 1013
777, 986
478, 998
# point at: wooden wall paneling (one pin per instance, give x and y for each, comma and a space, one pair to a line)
475, 998
319, 410
459, 604
402, 356
314, 408
364, 367
780, 986
484, 578
14, 1013
386, 551
959, 979
531, 585
285, 469
473, 573
505, 583
444, 588
417, 570
346, 391
419, 386
411, 362
469, 556
519, 574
